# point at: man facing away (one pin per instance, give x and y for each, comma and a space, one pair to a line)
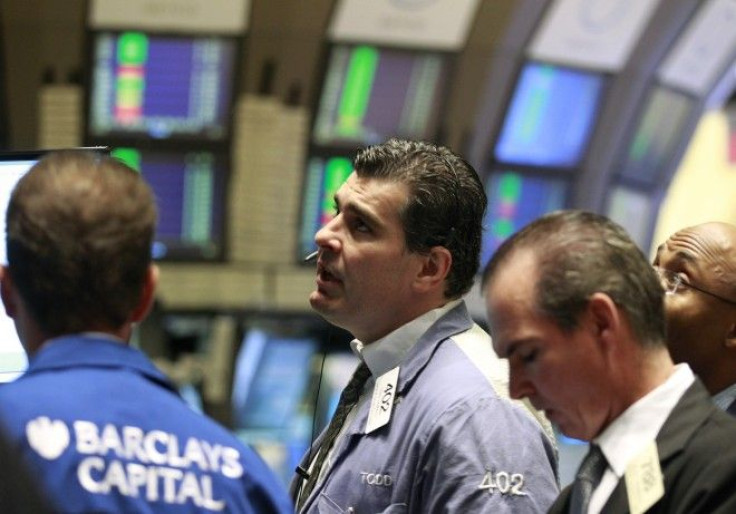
698, 268
100, 426
429, 432
578, 312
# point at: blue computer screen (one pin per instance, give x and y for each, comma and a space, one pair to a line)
271, 394
550, 117
635, 210
659, 132
161, 86
190, 188
13, 359
515, 200
324, 176
270, 380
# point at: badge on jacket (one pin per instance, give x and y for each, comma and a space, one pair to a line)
644, 481
382, 403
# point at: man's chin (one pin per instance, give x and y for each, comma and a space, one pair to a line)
321, 303
328, 308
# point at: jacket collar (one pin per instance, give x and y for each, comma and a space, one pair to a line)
689, 414
455, 321
94, 351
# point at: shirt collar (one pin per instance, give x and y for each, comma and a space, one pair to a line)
726, 397
638, 425
388, 352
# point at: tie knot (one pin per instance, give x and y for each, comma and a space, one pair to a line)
352, 391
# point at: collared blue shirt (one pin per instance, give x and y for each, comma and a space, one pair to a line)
105, 431
453, 444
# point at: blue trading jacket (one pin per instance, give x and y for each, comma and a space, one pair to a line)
455, 441
105, 431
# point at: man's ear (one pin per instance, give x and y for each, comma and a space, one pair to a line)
730, 341
147, 296
7, 292
435, 266
604, 318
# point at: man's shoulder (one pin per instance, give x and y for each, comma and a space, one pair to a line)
130, 402
697, 431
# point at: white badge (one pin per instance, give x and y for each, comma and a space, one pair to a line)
644, 481
382, 403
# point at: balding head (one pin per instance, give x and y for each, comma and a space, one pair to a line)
701, 313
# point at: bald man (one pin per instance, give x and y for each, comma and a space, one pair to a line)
697, 266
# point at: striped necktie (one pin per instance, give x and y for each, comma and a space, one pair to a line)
348, 399
587, 479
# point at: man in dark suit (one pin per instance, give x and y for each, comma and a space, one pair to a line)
577, 310
698, 268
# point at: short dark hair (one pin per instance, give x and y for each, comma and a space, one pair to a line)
79, 232
446, 202
579, 253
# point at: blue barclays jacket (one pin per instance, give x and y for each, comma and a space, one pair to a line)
105, 431
454, 443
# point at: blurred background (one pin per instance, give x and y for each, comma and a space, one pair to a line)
244, 115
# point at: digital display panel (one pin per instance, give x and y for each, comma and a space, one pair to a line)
635, 211
660, 130
550, 116
13, 360
371, 93
190, 189
515, 200
324, 176
161, 87
283, 362
271, 375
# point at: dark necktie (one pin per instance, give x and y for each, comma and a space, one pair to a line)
732, 408
587, 479
348, 399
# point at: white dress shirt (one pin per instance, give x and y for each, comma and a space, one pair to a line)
636, 427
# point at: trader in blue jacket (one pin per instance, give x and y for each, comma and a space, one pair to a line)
426, 424
99, 425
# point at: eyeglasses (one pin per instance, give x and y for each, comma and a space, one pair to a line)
672, 282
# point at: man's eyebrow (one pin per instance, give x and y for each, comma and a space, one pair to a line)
361, 212
679, 255
513, 346
685, 256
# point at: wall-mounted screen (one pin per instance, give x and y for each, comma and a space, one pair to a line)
370, 93
550, 117
13, 165
324, 176
13, 360
635, 211
731, 117
4, 105
515, 200
272, 372
190, 189
281, 363
660, 131
270, 399
161, 87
